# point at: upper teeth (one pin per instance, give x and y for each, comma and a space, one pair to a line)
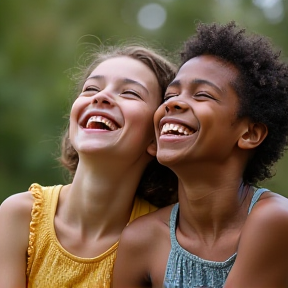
176, 127
102, 119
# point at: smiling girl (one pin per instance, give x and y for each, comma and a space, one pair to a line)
67, 236
223, 125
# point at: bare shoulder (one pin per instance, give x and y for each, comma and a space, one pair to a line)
262, 256
143, 251
268, 219
15, 213
149, 226
270, 209
17, 205
15, 217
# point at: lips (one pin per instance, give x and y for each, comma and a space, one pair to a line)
100, 121
176, 129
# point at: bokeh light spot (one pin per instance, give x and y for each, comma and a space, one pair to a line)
152, 16
273, 10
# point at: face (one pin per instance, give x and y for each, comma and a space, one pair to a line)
197, 121
114, 112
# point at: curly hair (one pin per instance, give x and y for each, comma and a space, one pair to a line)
261, 85
158, 184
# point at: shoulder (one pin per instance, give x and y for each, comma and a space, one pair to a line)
270, 209
15, 217
17, 205
144, 235
141, 207
262, 256
149, 226
269, 217
143, 250
15, 214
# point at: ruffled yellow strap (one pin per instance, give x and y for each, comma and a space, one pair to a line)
36, 191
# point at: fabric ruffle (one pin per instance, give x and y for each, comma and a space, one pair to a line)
36, 191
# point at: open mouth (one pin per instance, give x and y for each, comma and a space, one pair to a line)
101, 123
176, 129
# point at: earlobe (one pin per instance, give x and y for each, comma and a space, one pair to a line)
152, 148
255, 135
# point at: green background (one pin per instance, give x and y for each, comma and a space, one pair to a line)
40, 41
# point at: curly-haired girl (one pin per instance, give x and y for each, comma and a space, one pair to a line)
223, 124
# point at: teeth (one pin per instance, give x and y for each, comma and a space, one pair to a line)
168, 128
101, 119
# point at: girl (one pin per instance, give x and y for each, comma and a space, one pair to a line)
223, 125
67, 236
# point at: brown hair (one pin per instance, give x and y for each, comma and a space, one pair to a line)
158, 184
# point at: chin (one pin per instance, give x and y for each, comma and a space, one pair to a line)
167, 159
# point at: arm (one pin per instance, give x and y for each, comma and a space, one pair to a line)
262, 259
143, 251
15, 216
130, 269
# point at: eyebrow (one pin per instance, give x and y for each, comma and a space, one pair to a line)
174, 83
202, 81
177, 83
125, 81
95, 77
130, 81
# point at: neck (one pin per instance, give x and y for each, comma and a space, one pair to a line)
100, 198
212, 199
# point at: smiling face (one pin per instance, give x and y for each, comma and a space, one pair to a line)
114, 112
197, 121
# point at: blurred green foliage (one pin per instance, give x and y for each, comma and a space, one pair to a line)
42, 40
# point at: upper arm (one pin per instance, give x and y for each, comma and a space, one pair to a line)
132, 261
15, 217
262, 258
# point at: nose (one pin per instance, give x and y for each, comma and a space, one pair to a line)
176, 106
102, 99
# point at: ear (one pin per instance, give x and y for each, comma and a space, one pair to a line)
255, 135
152, 148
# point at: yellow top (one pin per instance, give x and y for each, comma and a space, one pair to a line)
49, 264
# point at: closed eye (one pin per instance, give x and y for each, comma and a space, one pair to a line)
91, 88
131, 94
90, 91
204, 95
168, 96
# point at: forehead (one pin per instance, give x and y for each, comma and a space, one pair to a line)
210, 68
125, 67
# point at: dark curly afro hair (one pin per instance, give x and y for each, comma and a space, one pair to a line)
262, 86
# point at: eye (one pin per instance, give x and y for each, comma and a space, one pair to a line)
131, 94
169, 95
204, 95
90, 90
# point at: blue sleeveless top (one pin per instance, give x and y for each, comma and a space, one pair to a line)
185, 270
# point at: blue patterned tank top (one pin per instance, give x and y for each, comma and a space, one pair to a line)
185, 270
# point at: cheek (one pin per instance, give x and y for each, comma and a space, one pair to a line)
142, 128
72, 131
75, 110
145, 125
158, 115
73, 120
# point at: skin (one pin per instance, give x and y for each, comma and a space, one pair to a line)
110, 166
209, 162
